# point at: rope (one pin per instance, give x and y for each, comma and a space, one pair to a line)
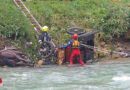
104, 50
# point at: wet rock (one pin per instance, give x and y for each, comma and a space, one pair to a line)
116, 56
128, 55
119, 49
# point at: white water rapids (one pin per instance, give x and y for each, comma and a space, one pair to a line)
98, 76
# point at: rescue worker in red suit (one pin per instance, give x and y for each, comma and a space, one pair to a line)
75, 50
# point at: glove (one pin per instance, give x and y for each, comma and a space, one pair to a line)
40, 41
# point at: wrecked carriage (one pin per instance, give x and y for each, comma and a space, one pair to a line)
54, 55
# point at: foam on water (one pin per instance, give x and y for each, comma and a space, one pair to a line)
100, 76
121, 78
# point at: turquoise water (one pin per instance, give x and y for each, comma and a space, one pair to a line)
98, 76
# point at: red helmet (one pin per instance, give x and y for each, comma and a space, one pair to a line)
75, 36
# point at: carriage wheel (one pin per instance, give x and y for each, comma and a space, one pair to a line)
76, 30
45, 49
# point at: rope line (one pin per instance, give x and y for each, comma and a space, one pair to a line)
104, 50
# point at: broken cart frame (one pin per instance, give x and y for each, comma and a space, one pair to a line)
84, 39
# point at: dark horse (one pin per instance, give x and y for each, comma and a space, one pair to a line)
13, 58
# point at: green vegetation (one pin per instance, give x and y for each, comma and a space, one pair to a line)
15, 27
105, 15
108, 16
12, 22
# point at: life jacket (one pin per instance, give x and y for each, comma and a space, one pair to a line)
75, 44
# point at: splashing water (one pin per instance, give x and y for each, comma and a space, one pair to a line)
98, 76
121, 78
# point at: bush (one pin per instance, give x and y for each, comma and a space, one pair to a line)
15, 27
13, 24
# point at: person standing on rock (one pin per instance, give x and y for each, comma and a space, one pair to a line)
75, 50
44, 35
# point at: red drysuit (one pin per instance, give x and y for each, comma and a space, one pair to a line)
75, 51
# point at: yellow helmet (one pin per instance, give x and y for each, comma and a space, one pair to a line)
45, 28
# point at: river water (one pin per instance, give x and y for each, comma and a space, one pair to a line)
97, 76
